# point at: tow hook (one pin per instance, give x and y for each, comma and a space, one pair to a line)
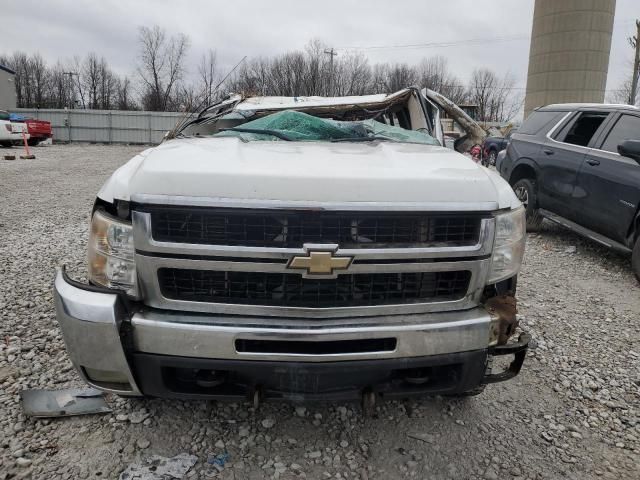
368, 403
518, 349
257, 397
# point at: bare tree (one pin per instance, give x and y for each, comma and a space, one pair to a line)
90, 78
108, 85
208, 72
399, 76
288, 74
497, 99
40, 76
59, 87
622, 94
124, 100
251, 78
353, 75
434, 74
319, 79
19, 62
161, 66
186, 98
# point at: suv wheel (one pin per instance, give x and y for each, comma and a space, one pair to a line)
525, 190
635, 259
493, 155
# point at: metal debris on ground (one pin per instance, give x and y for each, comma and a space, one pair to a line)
63, 403
160, 468
9, 157
423, 437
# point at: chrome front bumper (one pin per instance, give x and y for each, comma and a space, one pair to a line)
91, 323
103, 335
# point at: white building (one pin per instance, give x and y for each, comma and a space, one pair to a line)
7, 88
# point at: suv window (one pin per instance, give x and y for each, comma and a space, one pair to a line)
626, 128
537, 120
581, 130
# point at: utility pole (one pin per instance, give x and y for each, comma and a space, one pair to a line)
635, 43
71, 74
332, 53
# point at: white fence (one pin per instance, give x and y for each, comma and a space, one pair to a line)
105, 126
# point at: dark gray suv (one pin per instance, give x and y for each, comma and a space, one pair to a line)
579, 165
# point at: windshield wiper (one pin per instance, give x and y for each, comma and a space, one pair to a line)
363, 139
260, 131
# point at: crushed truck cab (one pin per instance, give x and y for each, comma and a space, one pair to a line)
299, 249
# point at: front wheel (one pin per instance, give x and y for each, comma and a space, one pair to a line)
493, 155
635, 259
525, 190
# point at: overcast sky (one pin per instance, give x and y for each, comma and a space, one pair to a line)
65, 28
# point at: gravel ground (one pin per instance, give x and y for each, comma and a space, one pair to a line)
574, 411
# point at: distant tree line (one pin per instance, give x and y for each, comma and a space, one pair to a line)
160, 81
80, 83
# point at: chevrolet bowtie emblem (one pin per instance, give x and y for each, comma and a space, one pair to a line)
320, 260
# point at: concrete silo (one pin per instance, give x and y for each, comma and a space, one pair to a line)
569, 55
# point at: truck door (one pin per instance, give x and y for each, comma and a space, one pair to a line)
559, 161
608, 184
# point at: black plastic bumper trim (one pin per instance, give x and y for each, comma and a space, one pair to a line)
332, 347
164, 376
519, 350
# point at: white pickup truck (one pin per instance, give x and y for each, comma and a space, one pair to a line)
11, 132
299, 249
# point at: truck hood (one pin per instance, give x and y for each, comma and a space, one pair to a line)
314, 172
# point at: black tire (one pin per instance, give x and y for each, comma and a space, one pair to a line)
525, 190
6, 144
32, 142
635, 259
491, 159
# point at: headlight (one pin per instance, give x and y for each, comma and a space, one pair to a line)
111, 262
508, 247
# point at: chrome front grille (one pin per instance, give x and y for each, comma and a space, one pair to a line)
292, 229
225, 261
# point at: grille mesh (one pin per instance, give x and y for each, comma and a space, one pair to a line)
293, 229
284, 289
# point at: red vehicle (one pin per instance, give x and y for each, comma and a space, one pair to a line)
39, 130
475, 153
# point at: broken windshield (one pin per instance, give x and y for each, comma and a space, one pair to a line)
291, 125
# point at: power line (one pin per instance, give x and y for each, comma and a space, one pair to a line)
470, 87
456, 43
470, 41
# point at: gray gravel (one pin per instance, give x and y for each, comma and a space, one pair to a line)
572, 413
